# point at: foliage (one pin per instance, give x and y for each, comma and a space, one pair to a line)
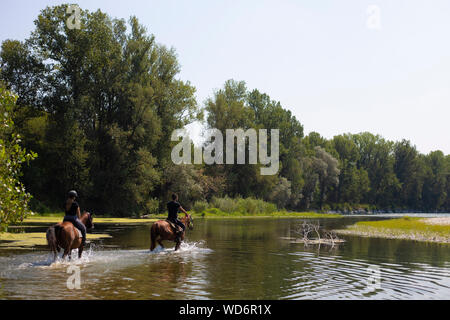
103, 101
13, 197
242, 206
99, 104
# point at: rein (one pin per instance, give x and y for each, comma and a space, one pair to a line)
84, 218
184, 220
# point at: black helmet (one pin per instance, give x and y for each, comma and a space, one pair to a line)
73, 194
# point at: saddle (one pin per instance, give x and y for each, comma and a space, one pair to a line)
173, 226
79, 233
78, 230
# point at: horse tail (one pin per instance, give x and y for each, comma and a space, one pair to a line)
51, 238
153, 235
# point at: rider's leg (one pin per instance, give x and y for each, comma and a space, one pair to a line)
80, 226
179, 232
180, 224
77, 224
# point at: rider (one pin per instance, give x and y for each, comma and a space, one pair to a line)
173, 207
72, 210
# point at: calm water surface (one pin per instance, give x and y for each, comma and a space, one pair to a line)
233, 259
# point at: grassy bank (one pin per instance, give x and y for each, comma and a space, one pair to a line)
17, 240
31, 239
58, 217
49, 218
418, 229
217, 213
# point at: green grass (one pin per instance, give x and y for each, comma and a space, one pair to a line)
58, 217
408, 224
31, 239
19, 240
402, 228
49, 218
217, 213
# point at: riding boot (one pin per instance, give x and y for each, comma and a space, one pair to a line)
178, 235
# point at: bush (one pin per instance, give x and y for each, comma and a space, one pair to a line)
200, 206
224, 204
152, 206
243, 206
14, 200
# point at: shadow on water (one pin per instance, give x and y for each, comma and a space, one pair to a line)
233, 259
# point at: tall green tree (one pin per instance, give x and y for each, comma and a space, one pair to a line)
13, 196
409, 174
108, 98
376, 157
434, 191
353, 181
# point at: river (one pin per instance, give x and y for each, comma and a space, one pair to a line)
232, 259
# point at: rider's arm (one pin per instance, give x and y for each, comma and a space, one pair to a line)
78, 213
184, 211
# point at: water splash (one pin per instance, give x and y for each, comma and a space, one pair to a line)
185, 248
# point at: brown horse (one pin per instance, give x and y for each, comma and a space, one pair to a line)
162, 230
64, 235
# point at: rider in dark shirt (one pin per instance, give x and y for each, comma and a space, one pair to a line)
173, 207
72, 210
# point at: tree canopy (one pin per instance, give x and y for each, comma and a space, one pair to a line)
99, 104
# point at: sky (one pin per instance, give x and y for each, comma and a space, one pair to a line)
349, 66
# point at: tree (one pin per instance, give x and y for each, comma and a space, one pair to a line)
409, 174
13, 196
326, 167
186, 181
436, 176
107, 98
376, 157
281, 194
353, 182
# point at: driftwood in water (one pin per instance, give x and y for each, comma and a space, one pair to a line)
306, 230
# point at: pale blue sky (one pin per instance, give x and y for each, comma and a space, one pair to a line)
317, 57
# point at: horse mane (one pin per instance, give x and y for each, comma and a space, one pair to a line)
184, 219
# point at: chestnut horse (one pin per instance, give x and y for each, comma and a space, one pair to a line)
64, 235
162, 230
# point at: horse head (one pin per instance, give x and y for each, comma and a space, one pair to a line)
190, 222
89, 221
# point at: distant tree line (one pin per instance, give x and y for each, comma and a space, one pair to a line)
98, 105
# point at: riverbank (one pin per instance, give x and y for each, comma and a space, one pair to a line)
30, 239
58, 217
25, 240
213, 213
418, 229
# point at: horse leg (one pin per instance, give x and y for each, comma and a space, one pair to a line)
177, 245
67, 250
160, 243
153, 237
80, 251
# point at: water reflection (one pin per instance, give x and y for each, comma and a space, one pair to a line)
233, 259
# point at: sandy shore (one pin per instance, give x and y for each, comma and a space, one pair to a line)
437, 221
428, 229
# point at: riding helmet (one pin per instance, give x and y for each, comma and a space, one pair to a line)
73, 193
